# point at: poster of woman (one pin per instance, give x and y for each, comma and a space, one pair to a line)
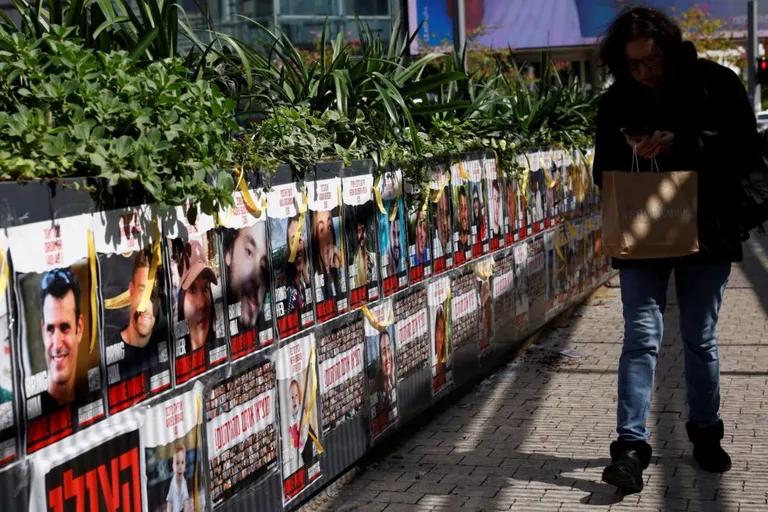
419, 251
479, 207
381, 368
441, 357
462, 237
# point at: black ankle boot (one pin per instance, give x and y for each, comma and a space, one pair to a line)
628, 460
706, 447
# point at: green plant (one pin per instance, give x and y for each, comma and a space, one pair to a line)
66, 110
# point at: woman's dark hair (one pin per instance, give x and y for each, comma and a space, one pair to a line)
211, 326
638, 22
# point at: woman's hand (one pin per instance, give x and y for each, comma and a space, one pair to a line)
651, 146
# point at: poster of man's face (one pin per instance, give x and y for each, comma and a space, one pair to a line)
443, 227
382, 380
360, 233
246, 263
462, 226
135, 335
328, 263
496, 209
511, 202
417, 234
478, 210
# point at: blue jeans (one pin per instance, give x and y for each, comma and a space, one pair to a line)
644, 296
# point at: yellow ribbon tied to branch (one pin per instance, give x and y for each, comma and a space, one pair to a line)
146, 295
299, 228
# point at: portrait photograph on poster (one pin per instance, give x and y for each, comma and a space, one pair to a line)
54, 267
173, 451
360, 234
442, 218
462, 234
441, 339
502, 286
297, 385
289, 248
241, 430
494, 185
381, 368
9, 425
245, 250
327, 240
464, 307
411, 332
197, 313
393, 255
479, 212
341, 360
537, 192
419, 251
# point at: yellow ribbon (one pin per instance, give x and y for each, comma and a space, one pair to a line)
526, 172
119, 301
299, 228
559, 252
375, 323
484, 269
377, 195
156, 255
437, 195
4, 273
312, 398
250, 204
463, 174
94, 289
425, 198
393, 213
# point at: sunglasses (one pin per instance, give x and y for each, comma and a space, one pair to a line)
59, 274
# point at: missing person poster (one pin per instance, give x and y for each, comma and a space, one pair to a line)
552, 265
551, 168
484, 269
9, 429
478, 196
419, 251
520, 287
494, 185
341, 360
288, 241
441, 340
98, 469
241, 430
512, 213
361, 236
524, 205
245, 249
381, 368
464, 308
411, 332
327, 239
393, 254
537, 192
134, 306
55, 267
297, 387
462, 235
502, 288
537, 279
197, 312
442, 218
172, 438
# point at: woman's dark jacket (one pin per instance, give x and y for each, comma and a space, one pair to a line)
705, 105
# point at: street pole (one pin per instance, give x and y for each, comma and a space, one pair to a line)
460, 27
753, 88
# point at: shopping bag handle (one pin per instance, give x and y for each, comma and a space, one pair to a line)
635, 165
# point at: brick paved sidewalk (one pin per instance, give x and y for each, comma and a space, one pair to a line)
535, 435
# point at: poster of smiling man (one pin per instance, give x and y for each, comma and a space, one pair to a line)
462, 234
9, 429
442, 218
479, 206
381, 368
54, 266
494, 185
200, 341
419, 250
327, 239
361, 236
393, 253
245, 248
134, 302
537, 192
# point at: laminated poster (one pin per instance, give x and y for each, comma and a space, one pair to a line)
462, 234
520, 286
524, 206
419, 251
550, 264
571, 175
381, 368
442, 219
134, 306
537, 275
197, 312
441, 353
9, 429
502, 288
241, 430
511, 211
95, 470
245, 249
342, 382
297, 388
464, 308
172, 438
58, 347
565, 263
537, 192
483, 271
392, 230
288, 232
553, 184
494, 185
580, 251
361, 238
411, 332
478, 195
327, 239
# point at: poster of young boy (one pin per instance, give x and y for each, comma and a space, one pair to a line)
134, 306
494, 185
393, 254
197, 312
442, 219
329, 279
479, 212
245, 249
419, 250
54, 266
241, 430
381, 368
297, 387
441, 341
361, 237
341, 361
172, 438
462, 234
291, 268
9, 430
